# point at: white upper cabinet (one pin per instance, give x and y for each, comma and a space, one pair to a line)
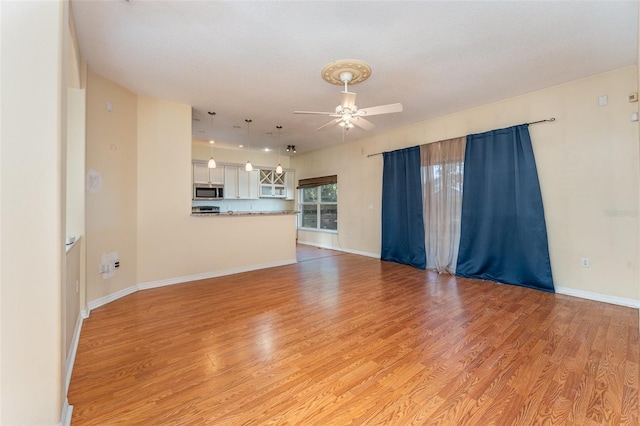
290, 184
230, 182
272, 184
241, 184
203, 174
200, 173
248, 184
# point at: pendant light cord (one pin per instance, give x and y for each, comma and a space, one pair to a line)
249, 166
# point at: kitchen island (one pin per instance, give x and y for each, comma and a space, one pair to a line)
245, 213
228, 243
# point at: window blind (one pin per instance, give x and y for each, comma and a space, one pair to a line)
318, 181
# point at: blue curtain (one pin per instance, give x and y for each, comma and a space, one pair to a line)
402, 215
503, 235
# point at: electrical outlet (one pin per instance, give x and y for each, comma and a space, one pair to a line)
584, 262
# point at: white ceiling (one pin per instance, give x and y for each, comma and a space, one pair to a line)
262, 60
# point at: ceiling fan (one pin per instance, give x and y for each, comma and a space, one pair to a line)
347, 114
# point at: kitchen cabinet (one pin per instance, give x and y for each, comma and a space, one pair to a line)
290, 185
203, 174
230, 182
248, 184
240, 184
272, 184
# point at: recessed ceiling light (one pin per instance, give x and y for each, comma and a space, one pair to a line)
267, 150
240, 146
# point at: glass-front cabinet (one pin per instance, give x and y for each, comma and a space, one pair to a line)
272, 184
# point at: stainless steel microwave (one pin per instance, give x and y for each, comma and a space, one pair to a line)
207, 191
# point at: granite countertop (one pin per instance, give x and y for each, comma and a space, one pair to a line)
247, 213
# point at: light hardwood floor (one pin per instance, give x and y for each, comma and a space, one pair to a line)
341, 339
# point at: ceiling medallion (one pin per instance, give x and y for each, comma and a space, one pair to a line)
359, 71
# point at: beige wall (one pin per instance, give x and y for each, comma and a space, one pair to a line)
2, 58
75, 295
587, 163
111, 212
171, 243
143, 151
31, 239
638, 130
76, 127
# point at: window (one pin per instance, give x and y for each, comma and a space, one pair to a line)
319, 207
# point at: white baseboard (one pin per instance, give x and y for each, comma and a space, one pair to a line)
325, 246
67, 411
111, 297
632, 303
171, 281
215, 274
73, 350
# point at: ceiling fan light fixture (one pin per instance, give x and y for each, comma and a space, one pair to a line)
352, 71
347, 72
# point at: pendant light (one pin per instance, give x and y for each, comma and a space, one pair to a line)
248, 167
212, 163
279, 168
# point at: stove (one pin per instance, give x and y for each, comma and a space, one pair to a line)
205, 209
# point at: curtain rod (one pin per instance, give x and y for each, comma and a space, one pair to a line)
533, 122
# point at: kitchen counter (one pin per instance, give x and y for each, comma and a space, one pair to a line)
247, 213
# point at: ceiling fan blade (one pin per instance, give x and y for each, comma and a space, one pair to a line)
363, 124
330, 123
348, 100
382, 109
314, 112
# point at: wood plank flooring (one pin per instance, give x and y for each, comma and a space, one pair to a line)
340, 339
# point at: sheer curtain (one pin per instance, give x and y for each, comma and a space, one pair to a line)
442, 171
